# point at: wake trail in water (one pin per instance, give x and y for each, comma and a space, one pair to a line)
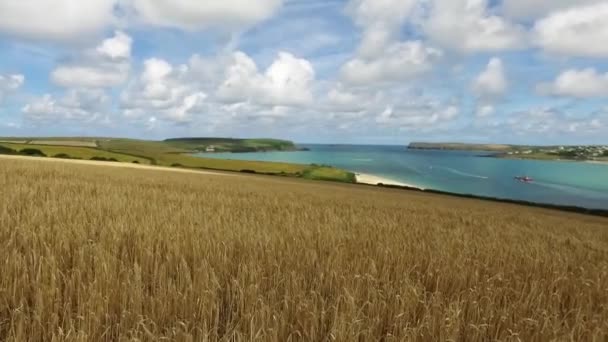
572, 189
462, 173
562, 187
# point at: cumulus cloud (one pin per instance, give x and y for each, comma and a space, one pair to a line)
162, 92
491, 83
87, 76
59, 20
585, 83
106, 66
381, 57
82, 105
196, 15
380, 20
553, 122
287, 81
576, 31
10, 83
75, 20
484, 111
398, 62
344, 100
419, 114
339, 100
218, 90
117, 47
468, 26
489, 87
530, 9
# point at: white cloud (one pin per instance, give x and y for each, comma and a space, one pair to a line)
344, 100
106, 66
529, 9
418, 114
553, 122
492, 83
76, 20
468, 26
579, 31
162, 92
287, 82
398, 62
117, 47
196, 15
87, 76
10, 83
381, 57
59, 20
217, 91
586, 83
381, 21
485, 111
84, 105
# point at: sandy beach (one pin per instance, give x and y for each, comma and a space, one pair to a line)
364, 178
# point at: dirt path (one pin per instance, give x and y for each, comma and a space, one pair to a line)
112, 164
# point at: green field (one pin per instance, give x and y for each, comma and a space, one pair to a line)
329, 173
76, 152
177, 153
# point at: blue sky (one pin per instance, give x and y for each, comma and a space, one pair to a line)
335, 71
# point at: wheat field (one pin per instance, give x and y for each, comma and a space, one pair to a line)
92, 253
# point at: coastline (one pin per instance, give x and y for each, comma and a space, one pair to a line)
590, 161
364, 178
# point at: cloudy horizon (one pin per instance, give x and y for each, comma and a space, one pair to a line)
333, 71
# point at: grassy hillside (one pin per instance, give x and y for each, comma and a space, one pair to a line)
76, 152
565, 152
173, 153
232, 145
106, 254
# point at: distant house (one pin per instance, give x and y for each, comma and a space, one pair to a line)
210, 149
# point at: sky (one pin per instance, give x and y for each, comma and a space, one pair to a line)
322, 71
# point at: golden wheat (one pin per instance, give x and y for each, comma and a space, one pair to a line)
105, 254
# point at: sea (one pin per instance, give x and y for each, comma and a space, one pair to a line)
569, 183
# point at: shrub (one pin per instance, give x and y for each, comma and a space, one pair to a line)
96, 158
32, 152
176, 165
6, 150
248, 171
135, 162
62, 156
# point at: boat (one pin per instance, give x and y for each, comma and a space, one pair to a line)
524, 179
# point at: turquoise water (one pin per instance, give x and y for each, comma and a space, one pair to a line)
565, 183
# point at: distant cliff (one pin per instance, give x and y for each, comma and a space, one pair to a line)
460, 147
232, 145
